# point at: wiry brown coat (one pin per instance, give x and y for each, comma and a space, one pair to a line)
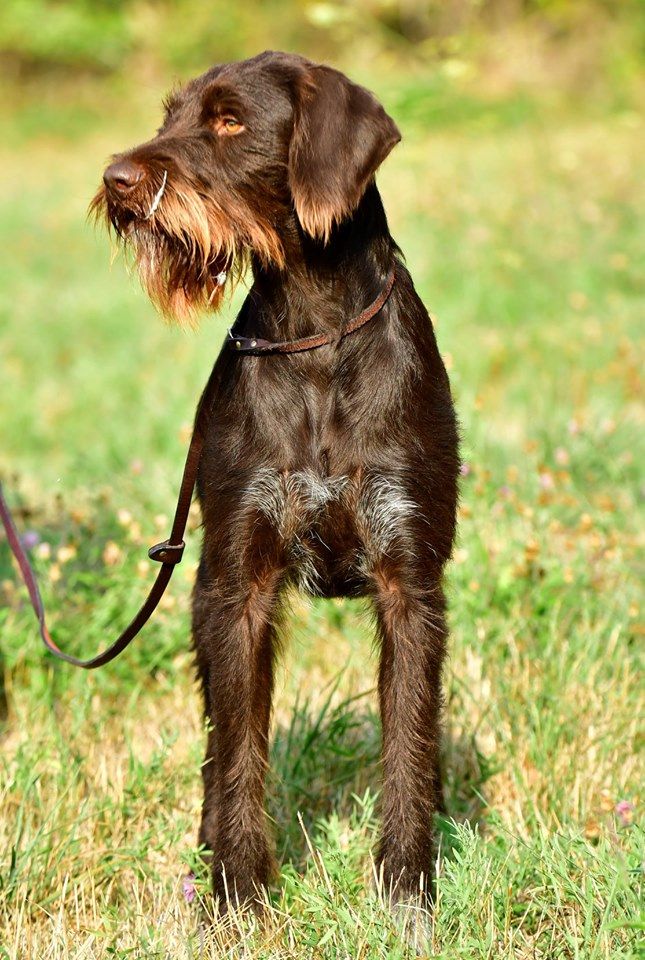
336, 468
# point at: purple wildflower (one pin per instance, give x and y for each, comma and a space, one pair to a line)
30, 539
188, 887
464, 469
624, 810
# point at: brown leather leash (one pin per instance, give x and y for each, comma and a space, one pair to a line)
169, 552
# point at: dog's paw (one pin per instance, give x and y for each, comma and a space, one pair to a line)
413, 920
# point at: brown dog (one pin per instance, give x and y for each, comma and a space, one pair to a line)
334, 468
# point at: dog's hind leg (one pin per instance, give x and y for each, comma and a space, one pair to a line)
410, 613
234, 635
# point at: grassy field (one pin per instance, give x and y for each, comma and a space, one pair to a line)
520, 227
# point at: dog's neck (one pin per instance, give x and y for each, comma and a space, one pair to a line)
323, 285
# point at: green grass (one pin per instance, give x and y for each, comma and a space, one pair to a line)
524, 240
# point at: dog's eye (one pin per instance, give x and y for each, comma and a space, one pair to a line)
228, 125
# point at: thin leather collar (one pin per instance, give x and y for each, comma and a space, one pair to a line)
256, 345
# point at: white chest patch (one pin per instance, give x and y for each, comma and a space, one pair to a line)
297, 502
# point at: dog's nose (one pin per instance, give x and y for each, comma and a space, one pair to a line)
123, 175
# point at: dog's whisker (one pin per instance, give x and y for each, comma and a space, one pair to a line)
157, 197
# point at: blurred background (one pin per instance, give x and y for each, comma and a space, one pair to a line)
531, 43
71, 56
517, 196
449, 60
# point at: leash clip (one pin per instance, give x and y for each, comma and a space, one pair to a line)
167, 552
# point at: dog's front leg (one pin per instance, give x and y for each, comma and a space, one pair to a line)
410, 612
234, 635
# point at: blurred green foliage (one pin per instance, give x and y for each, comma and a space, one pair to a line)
109, 35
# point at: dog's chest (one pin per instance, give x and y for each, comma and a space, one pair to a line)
332, 529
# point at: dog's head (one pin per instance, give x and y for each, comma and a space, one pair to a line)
241, 150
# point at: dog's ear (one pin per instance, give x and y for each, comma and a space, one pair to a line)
341, 135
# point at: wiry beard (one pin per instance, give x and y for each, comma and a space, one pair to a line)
187, 249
